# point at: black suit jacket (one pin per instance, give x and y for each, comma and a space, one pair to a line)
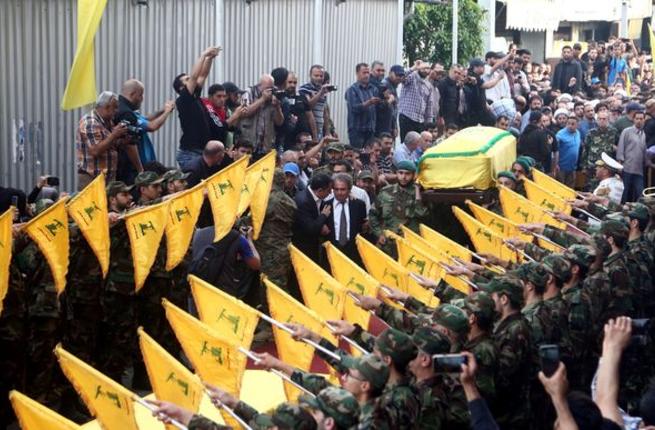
358, 216
307, 225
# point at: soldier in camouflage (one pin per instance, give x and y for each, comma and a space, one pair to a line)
553, 315
398, 204
604, 138
622, 291
640, 263
332, 408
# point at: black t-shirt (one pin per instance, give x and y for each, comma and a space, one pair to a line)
299, 106
193, 120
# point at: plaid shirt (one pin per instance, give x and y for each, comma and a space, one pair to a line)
416, 99
91, 131
360, 117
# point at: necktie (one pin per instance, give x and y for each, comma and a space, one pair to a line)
343, 227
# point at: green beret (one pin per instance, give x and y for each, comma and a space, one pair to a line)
407, 165
523, 163
506, 174
431, 341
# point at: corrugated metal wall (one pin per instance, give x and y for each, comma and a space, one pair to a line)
153, 44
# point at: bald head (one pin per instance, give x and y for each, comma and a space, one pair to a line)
289, 157
133, 91
214, 152
266, 81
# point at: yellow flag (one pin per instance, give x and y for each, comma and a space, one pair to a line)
249, 184
145, 227
259, 201
183, 212
321, 292
380, 266
444, 244
416, 261
484, 239
81, 87
32, 415
522, 211
89, 211
226, 314
224, 191
49, 230
355, 279
553, 185
6, 245
171, 381
651, 38
213, 357
501, 225
544, 198
108, 401
286, 309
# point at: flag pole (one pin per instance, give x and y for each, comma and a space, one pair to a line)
231, 412
348, 340
276, 372
151, 408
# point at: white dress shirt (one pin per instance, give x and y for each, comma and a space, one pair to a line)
338, 207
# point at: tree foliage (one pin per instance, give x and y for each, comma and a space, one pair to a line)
427, 33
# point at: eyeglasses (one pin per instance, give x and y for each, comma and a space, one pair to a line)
350, 375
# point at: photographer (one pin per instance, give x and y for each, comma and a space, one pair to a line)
298, 115
263, 115
316, 91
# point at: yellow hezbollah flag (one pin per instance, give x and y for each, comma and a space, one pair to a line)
224, 191
249, 184
108, 401
353, 278
287, 310
183, 212
501, 225
171, 380
6, 244
484, 239
259, 200
34, 416
81, 87
553, 185
651, 38
226, 314
321, 292
380, 266
422, 245
145, 227
522, 211
444, 244
415, 261
49, 230
89, 211
545, 198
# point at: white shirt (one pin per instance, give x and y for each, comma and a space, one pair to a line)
356, 193
317, 201
338, 207
499, 91
612, 188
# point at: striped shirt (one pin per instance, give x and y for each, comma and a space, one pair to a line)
360, 117
92, 130
309, 90
416, 99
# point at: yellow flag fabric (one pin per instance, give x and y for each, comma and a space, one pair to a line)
484, 239
553, 185
380, 266
89, 211
416, 261
108, 401
353, 278
226, 314
321, 292
145, 227
651, 37
49, 230
501, 225
444, 244
224, 191
249, 184
213, 357
32, 415
171, 381
183, 212
81, 87
286, 309
545, 198
259, 201
522, 211
6, 245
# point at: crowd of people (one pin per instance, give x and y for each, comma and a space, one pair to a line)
590, 123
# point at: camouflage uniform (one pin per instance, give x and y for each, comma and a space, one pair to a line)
622, 293
581, 331
639, 259
276, 233
596, 142
285, 416
336, 403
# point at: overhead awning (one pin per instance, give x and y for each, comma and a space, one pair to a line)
533, 15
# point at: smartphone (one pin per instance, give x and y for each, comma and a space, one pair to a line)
549, 359
52, 181
448, 363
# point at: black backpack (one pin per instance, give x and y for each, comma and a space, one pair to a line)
209, 265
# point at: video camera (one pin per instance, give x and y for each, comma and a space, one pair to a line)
132, 130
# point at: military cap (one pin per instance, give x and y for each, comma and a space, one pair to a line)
451, 317
174, 175
365, 174
371, 367
115, 187
616, 228
481, 305
431, 341
286, 416
640, 212
536, 273
147, 178
509, 286
506, 174
335, 146
609, 163
397, 345
336, 403
581, 255
531, 161
649, 202
523, 163
41, 205
406, 165
558, 265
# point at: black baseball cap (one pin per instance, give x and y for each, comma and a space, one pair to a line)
231, 87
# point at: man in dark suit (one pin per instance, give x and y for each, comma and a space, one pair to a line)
348, 219
312, 215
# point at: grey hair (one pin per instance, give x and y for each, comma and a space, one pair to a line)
343, 177
105, 98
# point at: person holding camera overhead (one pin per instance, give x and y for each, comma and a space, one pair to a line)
98, 141
264, 113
